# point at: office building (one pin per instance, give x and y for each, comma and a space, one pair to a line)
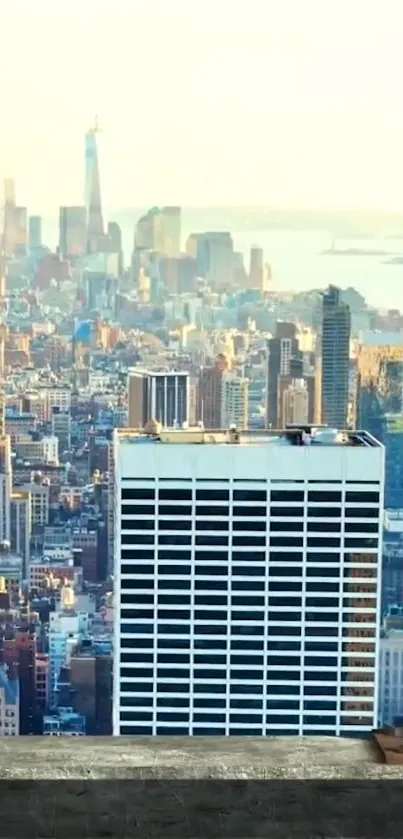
34, 232
247, 582
93, 199
390, 676
209, 393
295, 407
335, 359
20, 230
234, 401
21, 527
72, 232
171, 231
214, 252
280, 350
8, 236
158, 395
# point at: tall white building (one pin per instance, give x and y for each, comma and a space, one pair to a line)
234, 400
247, 581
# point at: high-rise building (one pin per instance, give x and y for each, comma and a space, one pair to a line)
21, 230
295, 407
335, 358
247, 582
21, 526
8, 232
256, 268
34, 232
171, 231
234, 401
93, 199
280, 350
214, 252
209, 393
72, 231
158, 395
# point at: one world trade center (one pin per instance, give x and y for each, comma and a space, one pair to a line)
93, 202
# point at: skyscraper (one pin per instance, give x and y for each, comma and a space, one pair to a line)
335, 359
247, 582
280, 350
171, 231
72, 231
93, 200
34, 232
8, 232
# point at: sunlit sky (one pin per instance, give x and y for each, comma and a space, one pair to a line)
205, 102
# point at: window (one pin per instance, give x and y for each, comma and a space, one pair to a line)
137, 614
247, 660
287, 512
137, 539
136, 672
174, 614
360, 543
212, 556
319, 705
320, 690
141, 643
135, 658
206, 673
321, 646
174, 584
137, 569
138, 510
320, 661
280, 616
248, 585
288, 496
200, 717
136, 555
285, 585
176, 539
287, 556
173, 629
212, 495
282, 719
246, 571
209, 510
322, 571
281, 676
212, 540
250, 495
172, 570
284, 645
209, 629
323, 542
212, 524
247, 704
136, 599
175, 555
210, 600
283, 630
361, 513
254, 512
286, 525
213, 585
133, 583
174, 510
246, 645
249, 526
248, 616
210, 658
143, 494
324, 527
173, 658
144, 730
174, 524
324, 496
322, 587
361, 527
247, 600
320, 676
283, 661
362, 497
324, 512
282, 690
285, 602
249, 556
286, 541
137, 524
211, 570
172, 673
321, 617
208, 703
136, 701
175, 495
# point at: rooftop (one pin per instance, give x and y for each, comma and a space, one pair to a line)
289, 436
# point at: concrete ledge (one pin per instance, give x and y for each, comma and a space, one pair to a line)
183, 788
52, 758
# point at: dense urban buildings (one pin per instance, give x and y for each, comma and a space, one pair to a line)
247, 582
170, 460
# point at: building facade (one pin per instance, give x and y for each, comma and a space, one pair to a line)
247, 583
335, 359
158, 395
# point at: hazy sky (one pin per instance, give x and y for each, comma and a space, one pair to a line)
288, 102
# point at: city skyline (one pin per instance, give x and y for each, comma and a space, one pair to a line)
253, 107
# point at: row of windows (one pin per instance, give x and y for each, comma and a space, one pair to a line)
279, 660
182, 494
249, 719
249, 526
365, 587
250, 644
249, 625
258, 600
217, 731
359, 543
250, 690
240, 704
248, 512
183, 555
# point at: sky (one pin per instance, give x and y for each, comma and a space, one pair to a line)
205, 102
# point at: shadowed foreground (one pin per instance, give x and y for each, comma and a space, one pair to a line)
178, 788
